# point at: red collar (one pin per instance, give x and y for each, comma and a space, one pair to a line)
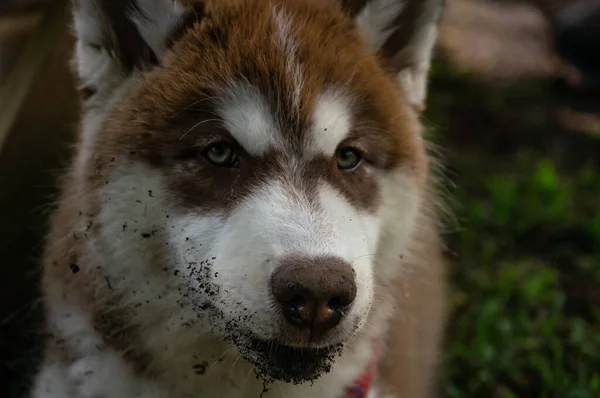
361, 386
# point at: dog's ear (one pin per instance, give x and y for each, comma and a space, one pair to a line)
404, 33
116, 38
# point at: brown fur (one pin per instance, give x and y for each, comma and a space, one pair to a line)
225, 45
147, 126
410, 363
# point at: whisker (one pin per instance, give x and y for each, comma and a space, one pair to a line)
246, 379
194, 103
363, 256
222, 356
198, 124
234, 363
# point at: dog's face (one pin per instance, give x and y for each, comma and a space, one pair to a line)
261, 178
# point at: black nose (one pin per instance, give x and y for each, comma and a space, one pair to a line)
314, 293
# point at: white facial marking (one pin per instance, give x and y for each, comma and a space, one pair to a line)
51, 382
375, 18
273, 222
332, 119
356, 234
248, 118
155, 20
287, 43
399, 217
419, 50
356, 238
277, 221
167, 15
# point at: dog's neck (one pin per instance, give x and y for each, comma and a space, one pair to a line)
219, 369
216, 368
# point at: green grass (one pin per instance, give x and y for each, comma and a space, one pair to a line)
525, 263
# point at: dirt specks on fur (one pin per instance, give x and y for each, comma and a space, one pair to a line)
200, 368
275, 361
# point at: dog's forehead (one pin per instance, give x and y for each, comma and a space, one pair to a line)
259, 128
277, 74
279, 96
293, 80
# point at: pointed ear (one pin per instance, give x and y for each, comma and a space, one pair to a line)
404, 33
116, 38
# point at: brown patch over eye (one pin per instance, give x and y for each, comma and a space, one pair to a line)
207, 186
359, 186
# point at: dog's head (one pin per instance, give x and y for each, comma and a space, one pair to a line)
255, 166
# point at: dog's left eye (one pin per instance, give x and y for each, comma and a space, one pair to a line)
348, 159
221, 154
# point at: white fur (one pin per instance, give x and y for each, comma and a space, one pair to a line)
419, 52
288, 224
107, 375
51, 382
375, 23
160, 18
160, 275
97, 67
399, 191
248, 118
332, 120
375, 19
287, 43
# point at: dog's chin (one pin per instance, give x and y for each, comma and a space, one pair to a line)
276, 361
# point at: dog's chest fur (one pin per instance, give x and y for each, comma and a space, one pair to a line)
206, 368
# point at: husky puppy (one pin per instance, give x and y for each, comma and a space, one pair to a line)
249, 211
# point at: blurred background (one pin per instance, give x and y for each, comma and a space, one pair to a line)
514, 114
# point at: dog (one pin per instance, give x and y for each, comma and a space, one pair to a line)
251, 209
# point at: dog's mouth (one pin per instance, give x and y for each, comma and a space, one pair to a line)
277, 361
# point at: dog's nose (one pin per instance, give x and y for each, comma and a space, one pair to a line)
314, 293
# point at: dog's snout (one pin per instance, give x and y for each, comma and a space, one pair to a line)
314, 293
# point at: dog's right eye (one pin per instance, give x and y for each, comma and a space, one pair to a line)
221, 154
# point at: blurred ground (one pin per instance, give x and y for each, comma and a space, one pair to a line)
38, 116
523, 156
499, 40
523, 179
